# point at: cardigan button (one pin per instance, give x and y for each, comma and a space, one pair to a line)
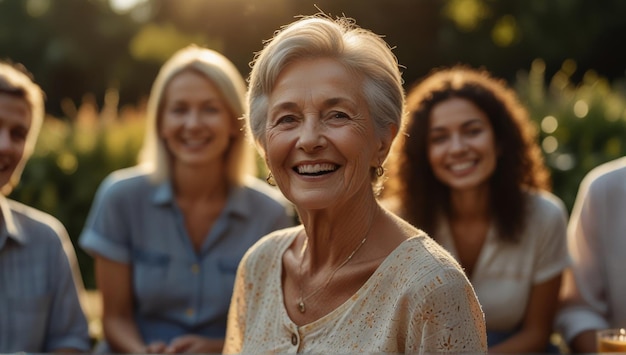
294, 339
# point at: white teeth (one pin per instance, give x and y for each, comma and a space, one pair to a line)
461, 166
315, 168
195, 142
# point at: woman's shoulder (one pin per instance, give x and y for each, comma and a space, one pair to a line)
545, 204
421, 252
125, 181
37, 224
272, 244
607, 176
269, 249
418, 247
421, 269
261, 192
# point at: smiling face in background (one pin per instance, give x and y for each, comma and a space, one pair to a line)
461, 145
15, 121
196, 124
320, 138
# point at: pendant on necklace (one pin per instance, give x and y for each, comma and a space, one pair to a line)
301, 306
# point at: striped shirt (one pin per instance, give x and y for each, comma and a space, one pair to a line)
39, 283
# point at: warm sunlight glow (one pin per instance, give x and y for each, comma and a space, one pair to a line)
550, 144
124, 6
504, 31
37, 8
581, 109
549, 124
466, 14
565, 162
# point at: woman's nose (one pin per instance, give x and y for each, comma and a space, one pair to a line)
193, 118
5, 140
311, 135
458, 144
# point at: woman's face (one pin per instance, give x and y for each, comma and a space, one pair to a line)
15, 121
196, 124
461, 145
320, 138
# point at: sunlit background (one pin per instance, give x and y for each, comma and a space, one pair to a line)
96, 60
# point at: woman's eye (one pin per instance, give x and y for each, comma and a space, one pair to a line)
19, 134
211, 109
438, 139
339, 114
285, 119
474, 132
178, 110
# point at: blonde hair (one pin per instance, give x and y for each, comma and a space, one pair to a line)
16, 81
225, 76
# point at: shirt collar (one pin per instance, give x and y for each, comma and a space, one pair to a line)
163, 194
238, 202
9, 227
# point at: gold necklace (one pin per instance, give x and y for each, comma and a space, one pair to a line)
301, 304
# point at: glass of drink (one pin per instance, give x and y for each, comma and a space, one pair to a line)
611, 340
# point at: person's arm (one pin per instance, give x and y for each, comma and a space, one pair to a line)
537, 324
114, 281
585, 342
67, 330
583, 303
195, 344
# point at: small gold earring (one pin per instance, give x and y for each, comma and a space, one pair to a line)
270, 179
380, 171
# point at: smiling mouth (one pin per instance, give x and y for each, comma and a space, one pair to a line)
462, 166
195, 142
315, 169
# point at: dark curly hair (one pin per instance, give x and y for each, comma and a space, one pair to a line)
414, 187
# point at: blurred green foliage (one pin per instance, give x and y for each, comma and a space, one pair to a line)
581, 125
78, 46
71, 159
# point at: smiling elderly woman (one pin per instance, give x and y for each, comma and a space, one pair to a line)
326, 101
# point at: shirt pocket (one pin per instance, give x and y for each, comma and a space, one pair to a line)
28, 329
150, 272
227, 265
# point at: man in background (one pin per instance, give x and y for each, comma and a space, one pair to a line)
40, 284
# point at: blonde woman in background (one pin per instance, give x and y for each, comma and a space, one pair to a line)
167, 235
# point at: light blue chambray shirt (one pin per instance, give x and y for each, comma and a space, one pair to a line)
178, 290
39, 277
